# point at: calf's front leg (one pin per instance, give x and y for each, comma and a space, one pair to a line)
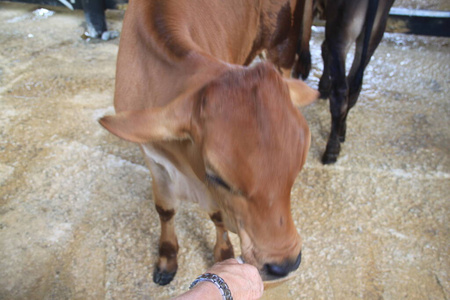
165, 204
167, 265
223, 248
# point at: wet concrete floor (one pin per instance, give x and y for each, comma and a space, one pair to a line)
77, 219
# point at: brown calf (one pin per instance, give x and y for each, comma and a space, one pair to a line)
211, 130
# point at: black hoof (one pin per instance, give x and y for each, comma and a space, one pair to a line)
162, 277
302, 66
328, 159
331, 153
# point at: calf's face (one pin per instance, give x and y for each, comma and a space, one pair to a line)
254, 143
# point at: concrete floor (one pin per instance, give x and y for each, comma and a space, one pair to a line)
76, 213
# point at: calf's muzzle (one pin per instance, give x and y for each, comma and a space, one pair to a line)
283, 269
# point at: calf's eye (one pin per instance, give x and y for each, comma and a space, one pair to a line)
217, 181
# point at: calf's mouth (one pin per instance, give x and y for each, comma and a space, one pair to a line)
277, 273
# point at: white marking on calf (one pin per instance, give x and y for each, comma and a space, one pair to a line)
184, 185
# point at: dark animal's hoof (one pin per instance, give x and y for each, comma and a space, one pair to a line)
328, 159
302, 66
331, 153
162, 277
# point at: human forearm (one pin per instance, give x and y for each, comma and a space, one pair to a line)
203, 290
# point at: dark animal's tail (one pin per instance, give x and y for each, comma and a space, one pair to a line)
368, 26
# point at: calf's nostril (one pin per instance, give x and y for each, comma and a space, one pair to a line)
297, 262
276, 270
281, 270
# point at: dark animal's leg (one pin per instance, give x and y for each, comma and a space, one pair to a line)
355, 78
354, 87
338, 101
354, 82
325, 81
379, 27
302, 65
339, 36
223, 248
345, 22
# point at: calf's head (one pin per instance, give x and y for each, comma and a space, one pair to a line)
253, 143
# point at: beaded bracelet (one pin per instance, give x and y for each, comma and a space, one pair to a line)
219, 282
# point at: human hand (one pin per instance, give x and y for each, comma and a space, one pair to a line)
243, 280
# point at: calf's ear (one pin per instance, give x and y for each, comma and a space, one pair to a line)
171, 122
301, 94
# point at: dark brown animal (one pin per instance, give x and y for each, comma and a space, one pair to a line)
362, 22
211, 129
